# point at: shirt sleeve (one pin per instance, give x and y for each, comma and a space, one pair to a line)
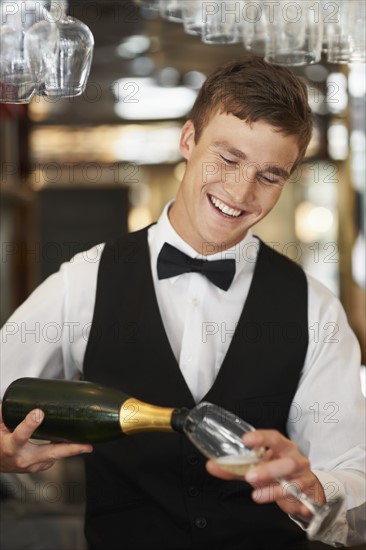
46, 336
327, 417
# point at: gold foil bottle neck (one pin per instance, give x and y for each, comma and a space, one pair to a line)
136, 416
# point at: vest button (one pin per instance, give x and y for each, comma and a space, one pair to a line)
192, 491
200, 523
192, 459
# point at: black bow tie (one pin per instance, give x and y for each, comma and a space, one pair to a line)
172, 262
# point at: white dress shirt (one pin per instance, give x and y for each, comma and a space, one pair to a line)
48, 334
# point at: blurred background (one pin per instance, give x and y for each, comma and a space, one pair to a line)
81, 170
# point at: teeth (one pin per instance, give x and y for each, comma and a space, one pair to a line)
224, 208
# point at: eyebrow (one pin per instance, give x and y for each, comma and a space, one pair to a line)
230, 149
273, 169
277, 171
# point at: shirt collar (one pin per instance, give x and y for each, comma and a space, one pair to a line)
244, 253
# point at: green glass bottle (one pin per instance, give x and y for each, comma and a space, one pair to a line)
84, 412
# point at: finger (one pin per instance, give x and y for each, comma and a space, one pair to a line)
3, 428
40, 467
51, 452
272, 469
268, 492
268, 454
272, 439
24, 431
275, 492
56, 451
214, 470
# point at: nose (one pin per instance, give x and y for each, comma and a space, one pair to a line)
240, 183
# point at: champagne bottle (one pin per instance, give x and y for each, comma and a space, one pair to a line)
84, 412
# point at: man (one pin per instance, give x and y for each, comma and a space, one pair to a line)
164, 336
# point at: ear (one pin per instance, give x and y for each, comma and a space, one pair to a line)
187, 143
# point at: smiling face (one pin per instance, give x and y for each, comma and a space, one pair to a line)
234, 177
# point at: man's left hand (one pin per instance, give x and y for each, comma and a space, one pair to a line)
282, 459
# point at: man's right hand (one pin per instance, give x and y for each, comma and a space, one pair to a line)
18, 454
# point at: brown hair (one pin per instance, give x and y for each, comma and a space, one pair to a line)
253, 90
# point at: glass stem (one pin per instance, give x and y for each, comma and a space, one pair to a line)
322, 515
299, 495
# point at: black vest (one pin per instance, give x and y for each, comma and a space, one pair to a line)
151, 491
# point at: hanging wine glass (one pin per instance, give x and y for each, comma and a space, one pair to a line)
150, 4
17, 83
218, 434
171, 10
41, 42
345, 37
222, 22
69, 75
295, 34
255, 28
193, 17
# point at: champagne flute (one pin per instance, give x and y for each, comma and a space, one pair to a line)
218, 434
